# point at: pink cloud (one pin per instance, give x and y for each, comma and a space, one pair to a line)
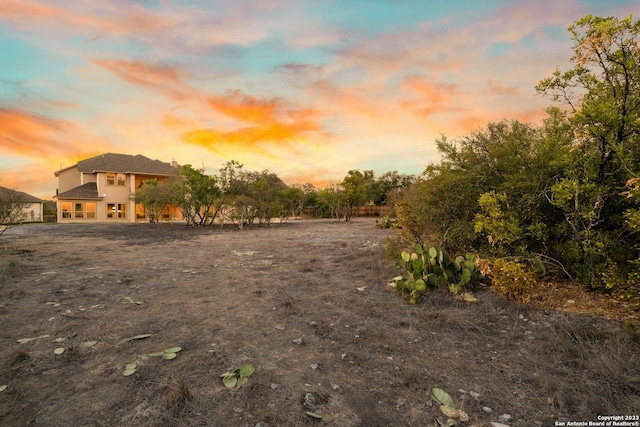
164, 79
498, 89
132, 19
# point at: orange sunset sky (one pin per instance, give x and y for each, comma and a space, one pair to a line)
306, 89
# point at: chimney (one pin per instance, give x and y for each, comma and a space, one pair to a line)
174, 163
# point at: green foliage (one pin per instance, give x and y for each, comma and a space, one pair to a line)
447, 406
387, 222
602, 92
154, 197
387, 187
439, 207
515, 161
566, 190
392, 246
235, 379
266, 193
430, 268
197, 195
498, 221
333, 198
354, 193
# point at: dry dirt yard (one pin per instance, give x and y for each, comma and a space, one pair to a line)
307, 304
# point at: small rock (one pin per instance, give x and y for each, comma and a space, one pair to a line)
335, 386
298, 341
315, 366
487, 410
474, 394
504, 418
309, 401
275, 386
495, 424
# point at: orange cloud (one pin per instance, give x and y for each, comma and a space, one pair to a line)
272, 121
33, 136
46, 143
171, 121
247, 108
431, 97
248, 137
27, 134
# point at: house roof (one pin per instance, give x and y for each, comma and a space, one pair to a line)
18, 196
125, 163
85, 191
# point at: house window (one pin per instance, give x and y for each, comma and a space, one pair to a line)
66, 210
116, 210
91, 210
78, 210
118, 179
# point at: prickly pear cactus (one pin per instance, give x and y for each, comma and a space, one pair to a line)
426, 268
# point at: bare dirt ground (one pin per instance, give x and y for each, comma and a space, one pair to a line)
306, 303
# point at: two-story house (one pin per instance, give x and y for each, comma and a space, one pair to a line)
103, 188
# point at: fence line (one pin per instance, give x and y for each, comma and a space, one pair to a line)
366, 210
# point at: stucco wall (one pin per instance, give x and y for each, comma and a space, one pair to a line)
68, 179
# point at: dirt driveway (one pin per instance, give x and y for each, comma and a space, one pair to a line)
306, 303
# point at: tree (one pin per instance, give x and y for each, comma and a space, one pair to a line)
196, 194
506, 157
154, 198
602, 95
293, 202
266, 191
308, 198
354, 193
12, 203
333, 197
388, 186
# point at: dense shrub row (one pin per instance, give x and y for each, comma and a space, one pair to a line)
563, 194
